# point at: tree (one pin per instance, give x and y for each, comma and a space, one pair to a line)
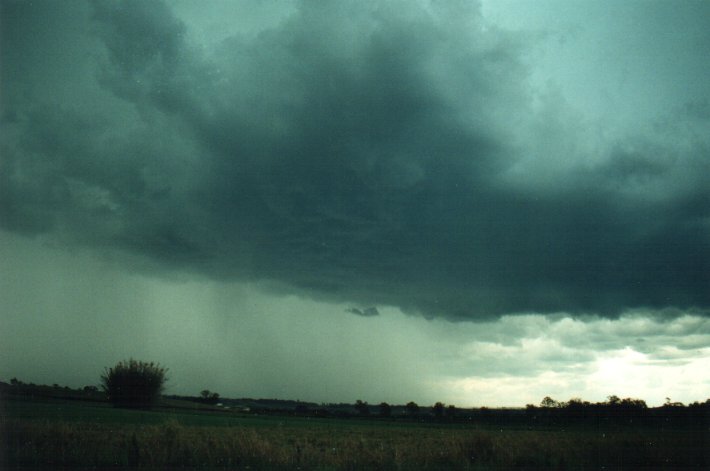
438, 410
631, 403
412, 408
362, 407
209, 397
549, 402
133, 383
385, 410
668, 403
613, 400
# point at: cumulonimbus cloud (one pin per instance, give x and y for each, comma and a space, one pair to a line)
365, 152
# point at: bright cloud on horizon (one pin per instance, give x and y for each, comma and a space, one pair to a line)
482, 203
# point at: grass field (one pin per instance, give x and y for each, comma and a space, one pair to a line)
53, 433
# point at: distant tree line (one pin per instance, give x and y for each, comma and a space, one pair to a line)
615, 409
20, 388
140, 384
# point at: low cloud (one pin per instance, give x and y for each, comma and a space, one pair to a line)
366, 312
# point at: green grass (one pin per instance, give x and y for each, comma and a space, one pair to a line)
53, 410
57, 410
76, 434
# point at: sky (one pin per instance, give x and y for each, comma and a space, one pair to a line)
476, 202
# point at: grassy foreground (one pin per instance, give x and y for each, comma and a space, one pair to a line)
75, 435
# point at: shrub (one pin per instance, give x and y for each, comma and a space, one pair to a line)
134, 383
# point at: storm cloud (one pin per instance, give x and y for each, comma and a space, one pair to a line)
371, 153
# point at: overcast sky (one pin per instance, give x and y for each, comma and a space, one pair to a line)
480, 203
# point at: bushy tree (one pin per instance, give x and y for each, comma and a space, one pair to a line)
362, 407
134, 383
209, 397
548, 402
412, 408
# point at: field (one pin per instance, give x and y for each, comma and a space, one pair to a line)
68, 434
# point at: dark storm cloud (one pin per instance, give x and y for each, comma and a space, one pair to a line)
356, 151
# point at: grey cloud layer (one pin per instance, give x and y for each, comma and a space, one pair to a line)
369, 153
